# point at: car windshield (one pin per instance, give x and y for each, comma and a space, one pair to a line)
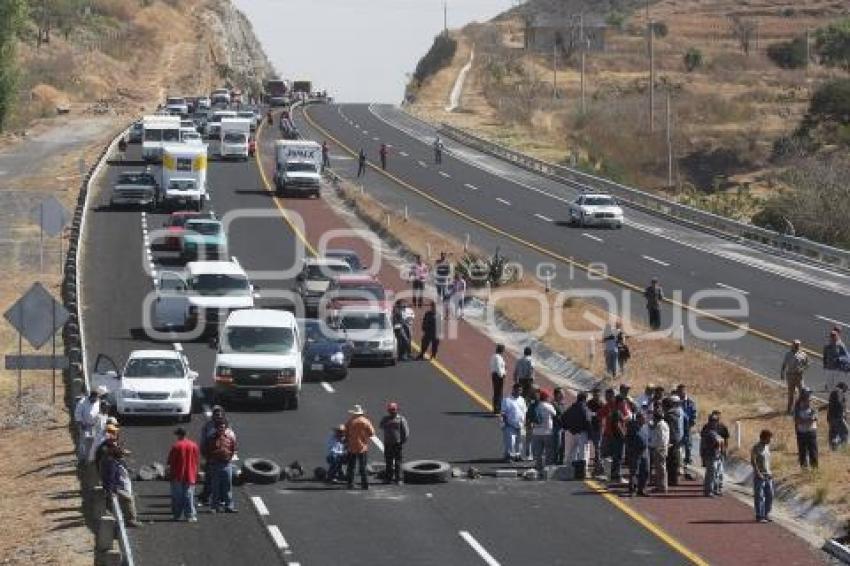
301, 167
325, 272
135, 179
155, 368
259, 339
175, 101
182, 185
233, 137
219, 284
364, 321
599, 201
204, 228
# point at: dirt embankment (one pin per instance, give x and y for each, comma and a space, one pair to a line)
118, 64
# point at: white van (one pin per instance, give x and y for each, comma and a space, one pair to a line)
212, 129
259, 358
235, 133
298, 166
184, 175
158, 130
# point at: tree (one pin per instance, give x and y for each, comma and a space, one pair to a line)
692, 59
12, 14
789, 54
832, 44
744, 30
660, 29
831, 102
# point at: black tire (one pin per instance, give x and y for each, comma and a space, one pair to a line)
260, 470
426, 471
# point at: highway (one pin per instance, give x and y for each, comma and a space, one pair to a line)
502, 205
305, 522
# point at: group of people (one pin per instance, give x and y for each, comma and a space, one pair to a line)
383, 155
449, 285
348, 446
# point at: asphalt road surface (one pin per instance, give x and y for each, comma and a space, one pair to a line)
470, 192
506, 522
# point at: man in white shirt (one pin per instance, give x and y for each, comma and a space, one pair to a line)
498, 369
513, 419
541, 431
659, 442
85, 415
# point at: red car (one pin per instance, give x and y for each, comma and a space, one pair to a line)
175, 226
356, 290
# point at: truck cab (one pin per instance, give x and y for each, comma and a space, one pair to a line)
298, 167
177, 106
159, 131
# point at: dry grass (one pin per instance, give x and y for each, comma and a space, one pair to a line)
744, 396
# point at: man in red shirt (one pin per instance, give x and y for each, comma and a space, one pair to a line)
183, 465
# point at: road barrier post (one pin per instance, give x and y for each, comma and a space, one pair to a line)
681, 336
466, 243
738, 434
406, 214
105, 536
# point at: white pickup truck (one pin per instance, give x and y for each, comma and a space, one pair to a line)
135, 188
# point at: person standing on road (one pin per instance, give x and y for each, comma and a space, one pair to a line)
596, 425
431, 330
637, 453
361, 163
396, 432
806, 426
541, 431
183, 459
836, 416
220, 451
654, 295
524, 372
762, 477
560, 403
208, 431
578, 419
689, 409
438, 150
835, 359
382, 152
358, 432
675, 418
85, 415
711, 452
401, 329
418, 276
612, 350
442, 276
326, 155
498, 369
513, 411
115, 477
660, 444
122, 149
794, 366
336, 455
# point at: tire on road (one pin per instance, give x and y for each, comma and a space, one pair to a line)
260, 470
426, 471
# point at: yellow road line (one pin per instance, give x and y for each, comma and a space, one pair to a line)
584, 267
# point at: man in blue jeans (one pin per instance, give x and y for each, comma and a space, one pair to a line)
221, 449
762, 477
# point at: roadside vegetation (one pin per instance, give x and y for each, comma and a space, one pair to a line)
438, 57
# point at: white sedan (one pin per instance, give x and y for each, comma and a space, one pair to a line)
596, 210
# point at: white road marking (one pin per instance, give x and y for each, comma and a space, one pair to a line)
833, 321
594, 238
261, 508
731, 288
480, 550
422, 164
327, 387
356, 125
446, 175
365, 132
402, 153
543, 218
470, 187
378, 443
653, 260
503, 201
277, 537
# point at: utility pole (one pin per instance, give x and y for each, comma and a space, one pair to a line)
583, 91
669, 144
651, 77
554, 69
446, 17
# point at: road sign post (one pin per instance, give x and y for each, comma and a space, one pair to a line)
51, 217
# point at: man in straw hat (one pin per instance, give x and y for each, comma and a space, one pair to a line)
358, 433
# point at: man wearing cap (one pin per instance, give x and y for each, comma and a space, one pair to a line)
835, 358
794, 365
712, 447
358, 432
836, 416
115, 477
806, 425
183, 459
654, 295
208, 431
337, 454
396, 432
85, 415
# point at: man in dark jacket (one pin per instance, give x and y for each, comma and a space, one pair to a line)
430, 333
654, 295
401, 329
396, 432
560, 405
361, 163
115, 478
675, 418
578, 421
689, 409
596, 425
835, 357
835, 416
637, 453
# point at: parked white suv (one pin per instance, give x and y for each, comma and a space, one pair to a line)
153, 383
596, 209
259, 358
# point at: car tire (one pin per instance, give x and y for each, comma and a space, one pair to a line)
260, 471
426, 471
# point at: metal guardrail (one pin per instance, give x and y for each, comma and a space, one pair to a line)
123, 539
813, 251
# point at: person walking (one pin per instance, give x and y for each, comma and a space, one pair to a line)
541, 431
326, 155
419, 274
762, 477
578, 420
361, 163
711, 452
637, 454
835, 359
689, 409
438, 150
806, 426
431, 323
654, 295
524, 372
336, 455
358, 432
85, 416
659, 442
498, 369
794, 366
512, 415
836, 416
115, 479
183, 460
382, 152
396, 431
220, 451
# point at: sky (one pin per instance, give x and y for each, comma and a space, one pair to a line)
358, 50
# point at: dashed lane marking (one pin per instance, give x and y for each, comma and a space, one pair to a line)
503, 201
655, 260
446, 175
543, 218
470, 186
731, 288
327, 387
261, 508
402, 153
277, 537
478, 548
592, 237
421, 164
832, 320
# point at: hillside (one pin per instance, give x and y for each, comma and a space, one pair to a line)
728, 112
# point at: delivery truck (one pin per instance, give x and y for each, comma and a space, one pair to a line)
235, 134
298, 167
184, 176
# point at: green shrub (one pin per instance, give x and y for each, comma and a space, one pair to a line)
832, 44
831, 102
692, 59
788, 54
616, 19
660, 29
438, 57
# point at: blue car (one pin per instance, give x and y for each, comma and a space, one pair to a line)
326, 354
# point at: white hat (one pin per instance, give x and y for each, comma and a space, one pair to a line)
357, 410
675, 399
101, 391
